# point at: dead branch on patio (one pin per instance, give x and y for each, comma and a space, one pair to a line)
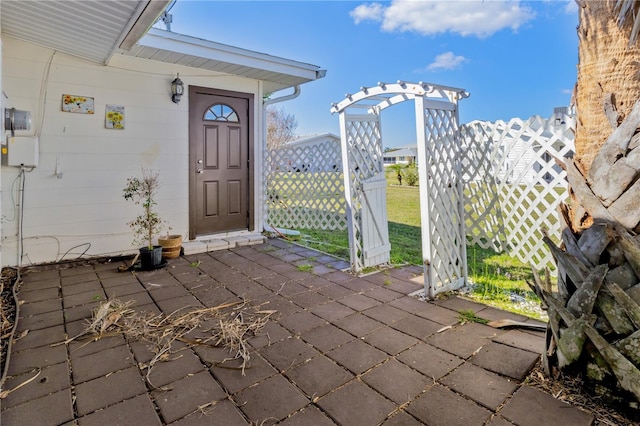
228, 325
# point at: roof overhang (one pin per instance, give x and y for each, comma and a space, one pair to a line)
276, 73
90, 29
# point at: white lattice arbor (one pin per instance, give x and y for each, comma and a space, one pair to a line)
440, 173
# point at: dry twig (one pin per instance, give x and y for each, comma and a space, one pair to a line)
228, 325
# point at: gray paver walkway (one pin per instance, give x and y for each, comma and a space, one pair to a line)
340, 350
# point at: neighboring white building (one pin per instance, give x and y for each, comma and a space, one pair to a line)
405, 155
208, 148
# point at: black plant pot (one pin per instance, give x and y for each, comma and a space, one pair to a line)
150, 259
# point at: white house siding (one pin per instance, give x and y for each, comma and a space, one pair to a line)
86, 204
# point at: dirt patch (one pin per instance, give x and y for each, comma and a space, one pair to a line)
7, 315
572, 391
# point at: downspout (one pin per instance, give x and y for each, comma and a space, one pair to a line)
295, 94
265, 104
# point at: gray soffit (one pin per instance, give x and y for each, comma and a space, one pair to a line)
89, 29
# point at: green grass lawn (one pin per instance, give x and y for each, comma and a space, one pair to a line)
498, 279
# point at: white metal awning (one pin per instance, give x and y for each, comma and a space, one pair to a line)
90, 29
277, 73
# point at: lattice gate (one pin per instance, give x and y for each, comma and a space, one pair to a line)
365, 190
443, 240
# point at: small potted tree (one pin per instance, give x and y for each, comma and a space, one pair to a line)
142, 191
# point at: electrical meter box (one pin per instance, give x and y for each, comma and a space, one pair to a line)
22, 151
15, 119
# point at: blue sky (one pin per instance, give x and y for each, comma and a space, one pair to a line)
515, 58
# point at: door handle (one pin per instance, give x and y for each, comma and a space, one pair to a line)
199, 171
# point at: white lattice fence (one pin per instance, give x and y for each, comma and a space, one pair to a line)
514, 185
304, 187
445, 239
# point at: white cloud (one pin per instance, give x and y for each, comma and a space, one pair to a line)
446, 61
468, 18
571, 7
367, 12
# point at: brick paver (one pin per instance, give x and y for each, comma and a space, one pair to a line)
39, 338
359, 302
332, 311
417, 327
273, 399
29, 360
389, 340
318, 376
41, 307
533, 342
138, 410
358, 324
219, 411
405, 385
53, 409
40, 295
186, 395
401, 418
301, 321
356, 404
288, 353
338, 350
48, 380
531, 407
40, 321
482, 386
233, 379
308, 416
429, 360
82, 287
464, 340
386, 314
108, 390
357, 356
439, 406
506, 360
181, 364
271, 333
98, 364
326, 337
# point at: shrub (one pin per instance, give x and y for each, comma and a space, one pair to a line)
411, 175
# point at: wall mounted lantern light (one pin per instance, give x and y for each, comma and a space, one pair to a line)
177, 89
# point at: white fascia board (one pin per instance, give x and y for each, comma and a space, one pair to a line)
168, 41
146, 15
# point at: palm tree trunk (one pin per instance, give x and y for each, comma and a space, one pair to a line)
606, 65
594, 314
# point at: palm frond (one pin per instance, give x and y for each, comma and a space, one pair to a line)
629, 9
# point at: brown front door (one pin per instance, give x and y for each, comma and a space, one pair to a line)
219, 153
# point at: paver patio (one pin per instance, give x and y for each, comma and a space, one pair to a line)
340, 350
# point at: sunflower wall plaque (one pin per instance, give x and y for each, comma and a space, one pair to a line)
77, 104
114, 117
